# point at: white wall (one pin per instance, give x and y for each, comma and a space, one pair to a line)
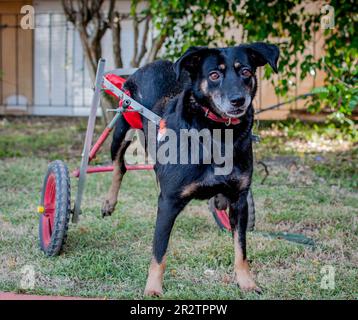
51, 94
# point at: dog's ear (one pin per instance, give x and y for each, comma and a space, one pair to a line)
261, 53
190, 60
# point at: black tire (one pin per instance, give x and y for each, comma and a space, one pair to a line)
224, 226
53, 240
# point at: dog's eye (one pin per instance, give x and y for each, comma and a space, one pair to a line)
246, 73
214, 75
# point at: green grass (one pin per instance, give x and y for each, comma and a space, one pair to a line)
109, 258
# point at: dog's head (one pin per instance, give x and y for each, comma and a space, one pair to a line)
224, 79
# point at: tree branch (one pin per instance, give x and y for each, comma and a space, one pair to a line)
116, 40
110, 15
276, 106
156, 46
135, 36
144, 48
70, 13
89, 11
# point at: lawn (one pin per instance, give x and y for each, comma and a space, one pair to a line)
311, 190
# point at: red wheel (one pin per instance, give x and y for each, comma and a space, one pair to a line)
47, 217
221, 216
54, 209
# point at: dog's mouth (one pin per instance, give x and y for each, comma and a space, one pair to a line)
223, 107
235, 113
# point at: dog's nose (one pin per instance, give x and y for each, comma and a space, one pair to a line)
237, 101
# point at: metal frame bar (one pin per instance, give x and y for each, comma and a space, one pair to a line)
134, 104
66, 62
50, 60
122, 71
88, 140
17, 57
136, 108
89, 153
1, 82
97, 169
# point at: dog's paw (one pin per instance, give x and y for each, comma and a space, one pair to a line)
108, 208
253, 288
247, 284
153, 292
153, 289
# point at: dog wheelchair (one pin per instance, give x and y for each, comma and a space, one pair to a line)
55, 205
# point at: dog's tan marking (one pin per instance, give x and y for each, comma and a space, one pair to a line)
237, 65
189, 189
110, 202
222, 66
244, 181
253, 82
242, 273
204, 86
154, 286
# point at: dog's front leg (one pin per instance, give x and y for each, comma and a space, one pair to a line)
119, 169
168, 210
238, 221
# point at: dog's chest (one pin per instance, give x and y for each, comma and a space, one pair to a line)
211, 185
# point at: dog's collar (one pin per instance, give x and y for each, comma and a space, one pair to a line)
212, 116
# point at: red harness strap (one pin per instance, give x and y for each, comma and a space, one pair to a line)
214, 117
133, 118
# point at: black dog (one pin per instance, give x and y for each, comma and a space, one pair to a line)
205, 89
